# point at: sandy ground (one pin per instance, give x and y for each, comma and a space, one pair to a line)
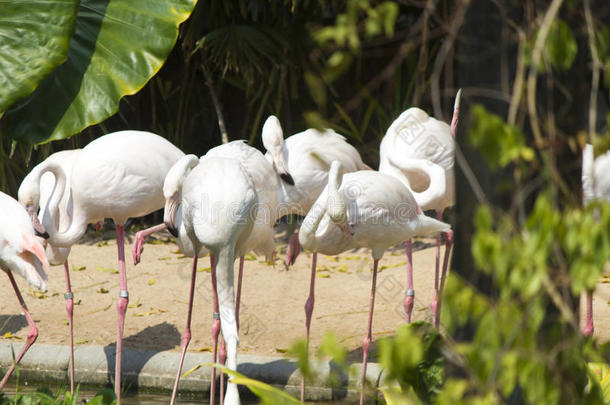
272, 315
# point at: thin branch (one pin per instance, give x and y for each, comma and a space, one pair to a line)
456, 23
470, 176
388, 71
595, 74
549, 17
518, 83
564, 309
539, 141
423, 52
221, 121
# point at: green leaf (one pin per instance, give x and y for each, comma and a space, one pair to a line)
269, 395
35, 38
561, 46
117, 47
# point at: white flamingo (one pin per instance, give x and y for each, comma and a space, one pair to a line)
419, 150
595, 186
215, 201
34, 193
306, 157
361, 209
117, 176
23, 253
267, 185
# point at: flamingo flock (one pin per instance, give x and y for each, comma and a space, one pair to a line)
226, 203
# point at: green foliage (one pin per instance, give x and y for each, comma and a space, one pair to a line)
346, 33
268, 394
413, 360
44, 396
116, 48
299, 351
500, 143
35, 38
561, 47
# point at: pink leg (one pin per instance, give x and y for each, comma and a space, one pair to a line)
238, 294
293, 249
367, 339
215, 330
588, 329
32, 334
309, 310
121, 309
434, 303
448, 245
186, 336
138, 243
410, 293
222, 359
69, 296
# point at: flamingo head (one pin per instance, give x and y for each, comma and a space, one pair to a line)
170, 213
337, 210
172, 190
29, 196
273, 141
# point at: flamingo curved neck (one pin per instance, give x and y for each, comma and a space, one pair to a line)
307, 232
78, 223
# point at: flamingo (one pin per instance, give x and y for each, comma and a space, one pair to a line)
21, 252
117, 176
595, 185
307, 157
419, 151
218, 216
34, 193
266, 183
361, 209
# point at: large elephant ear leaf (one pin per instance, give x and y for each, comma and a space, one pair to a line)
34, 40
117, 47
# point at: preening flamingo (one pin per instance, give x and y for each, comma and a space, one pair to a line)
216, 201
361, 209
419, 150
117, 176
595, 186
307, 156
34, 193
23, 253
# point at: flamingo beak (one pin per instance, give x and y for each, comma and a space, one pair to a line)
38, 227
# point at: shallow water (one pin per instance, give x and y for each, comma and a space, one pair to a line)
136, 398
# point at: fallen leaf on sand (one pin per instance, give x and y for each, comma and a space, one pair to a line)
107, 270
9, 335
78, 268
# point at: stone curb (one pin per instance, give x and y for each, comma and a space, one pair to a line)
149, 371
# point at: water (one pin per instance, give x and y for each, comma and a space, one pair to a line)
135, 398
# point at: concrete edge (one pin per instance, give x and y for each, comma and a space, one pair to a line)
150, 371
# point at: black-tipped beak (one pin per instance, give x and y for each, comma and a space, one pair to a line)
287, 178
172, 230
38, 227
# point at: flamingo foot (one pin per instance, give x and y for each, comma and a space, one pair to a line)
434, 310
292, 250
588, 329
138, 247
365, 352
409, 301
